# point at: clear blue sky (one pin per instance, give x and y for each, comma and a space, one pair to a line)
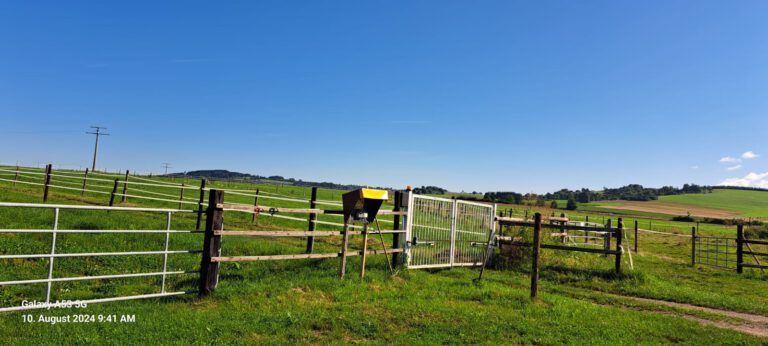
508, 95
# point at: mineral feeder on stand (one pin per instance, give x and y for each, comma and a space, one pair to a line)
361, 207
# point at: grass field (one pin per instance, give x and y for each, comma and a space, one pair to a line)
304, 302
718, 204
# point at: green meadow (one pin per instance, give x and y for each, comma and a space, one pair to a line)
304, 302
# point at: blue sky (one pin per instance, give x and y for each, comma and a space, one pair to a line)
488, 96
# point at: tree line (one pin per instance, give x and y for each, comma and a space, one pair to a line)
632, 192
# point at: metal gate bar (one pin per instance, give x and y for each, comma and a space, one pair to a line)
446, 232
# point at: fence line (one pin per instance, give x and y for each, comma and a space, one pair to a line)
53, 255
664, 233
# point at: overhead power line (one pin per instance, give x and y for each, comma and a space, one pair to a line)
98, 133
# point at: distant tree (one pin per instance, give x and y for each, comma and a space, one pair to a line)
553, 205
571, 204
429, 190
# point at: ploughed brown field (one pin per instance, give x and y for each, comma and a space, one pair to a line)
670, 209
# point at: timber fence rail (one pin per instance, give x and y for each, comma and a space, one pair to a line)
561, 224
744, 248
214, 231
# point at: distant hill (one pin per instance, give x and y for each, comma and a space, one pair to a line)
223, 174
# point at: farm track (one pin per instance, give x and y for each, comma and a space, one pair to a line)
742, 322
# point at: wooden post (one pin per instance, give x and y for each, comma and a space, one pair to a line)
344, 243
16, 176
635, 236
312, 218
365, 250
200, 203
214, 221
181, 196
607, 240
562, 228
255, 216
112, 195
85, 181
693, 246
47, 181
125, 186
396, 237
619, 250
739, 248
587, 218
536, 252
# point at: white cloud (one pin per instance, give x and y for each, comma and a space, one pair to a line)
733, 168
750, 180
694, 167
729, 159
749, 155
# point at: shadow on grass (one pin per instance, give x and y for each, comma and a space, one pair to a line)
565, 274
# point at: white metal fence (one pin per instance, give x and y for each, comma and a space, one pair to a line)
445, 232
54, 254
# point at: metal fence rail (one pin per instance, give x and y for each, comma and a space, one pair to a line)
53, 254
448, 232
718, 252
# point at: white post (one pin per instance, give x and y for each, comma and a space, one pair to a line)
165, 255
408, 227
53, 252
454, 210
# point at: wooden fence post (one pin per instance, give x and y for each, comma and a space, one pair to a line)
200, 203
312, 218
16, 176
125, 186
344, 244
214, 221
397, 237
181, 196
635, 236
365, 251
112, 195
693, 246
85, 181
739, 248
563, 231
536, 252
255, 204
47, 182
619, 250
608, 238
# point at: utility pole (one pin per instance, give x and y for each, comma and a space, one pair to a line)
166, 165
96, 147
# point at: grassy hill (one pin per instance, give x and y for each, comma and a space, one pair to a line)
746, 203
721, 203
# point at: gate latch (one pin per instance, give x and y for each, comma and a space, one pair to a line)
417, 242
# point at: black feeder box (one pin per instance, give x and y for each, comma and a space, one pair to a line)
361, 205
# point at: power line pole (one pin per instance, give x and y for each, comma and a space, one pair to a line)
96, 147
166, 165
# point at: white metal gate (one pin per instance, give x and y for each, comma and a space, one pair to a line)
446, 232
